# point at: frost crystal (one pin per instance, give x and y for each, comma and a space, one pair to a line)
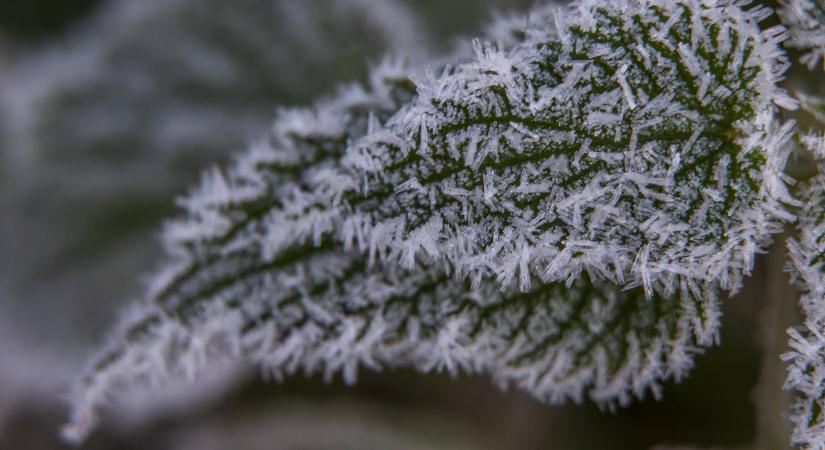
813, 105
805, 20
807, 356
559, 211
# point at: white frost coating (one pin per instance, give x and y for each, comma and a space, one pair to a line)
806, 368
512, 215
805, 20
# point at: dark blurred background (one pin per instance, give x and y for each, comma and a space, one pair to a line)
90, 167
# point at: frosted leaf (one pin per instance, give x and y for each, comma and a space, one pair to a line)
667, 182
805, 20
806, 370
648, 172
813, 105
143, 80
559, 211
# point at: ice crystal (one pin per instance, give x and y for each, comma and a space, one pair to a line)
805, 20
